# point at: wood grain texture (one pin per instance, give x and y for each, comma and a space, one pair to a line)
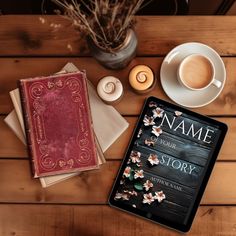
11, 147
30, 36
131, 104
104, 220
37, 35
93, 187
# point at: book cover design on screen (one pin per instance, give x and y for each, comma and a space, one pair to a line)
58, 124
165, 164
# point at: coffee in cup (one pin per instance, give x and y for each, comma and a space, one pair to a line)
197, 72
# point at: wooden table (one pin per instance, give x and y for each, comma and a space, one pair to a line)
33, 45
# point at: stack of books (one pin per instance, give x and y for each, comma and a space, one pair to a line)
64, 124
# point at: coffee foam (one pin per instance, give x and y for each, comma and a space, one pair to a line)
196, 72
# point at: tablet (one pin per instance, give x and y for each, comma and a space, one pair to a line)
167, 165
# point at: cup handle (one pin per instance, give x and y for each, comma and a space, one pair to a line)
217, 83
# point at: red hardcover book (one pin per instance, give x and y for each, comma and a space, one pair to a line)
58, 124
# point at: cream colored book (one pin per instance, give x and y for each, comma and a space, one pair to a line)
14, 124
108, 125
15, 97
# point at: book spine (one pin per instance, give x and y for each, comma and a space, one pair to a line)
89, 117
25, 110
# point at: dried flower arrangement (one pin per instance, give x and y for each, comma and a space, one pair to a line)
105, 21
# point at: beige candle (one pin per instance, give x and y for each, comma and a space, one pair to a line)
110, 89
142, 79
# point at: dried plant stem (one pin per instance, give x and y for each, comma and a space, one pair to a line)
104, 21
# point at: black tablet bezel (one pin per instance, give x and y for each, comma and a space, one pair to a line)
180, 227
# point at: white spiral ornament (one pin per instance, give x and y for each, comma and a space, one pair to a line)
110, 89
142, 79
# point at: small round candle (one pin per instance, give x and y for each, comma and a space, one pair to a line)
142, 79
110, 89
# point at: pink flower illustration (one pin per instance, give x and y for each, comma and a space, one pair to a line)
157, 112
148, 198
149, 142
160, 196
153, 159
148, 120
138, 174
147, 185
156, 130
178, 113
123, 196
127, 172
135, 156
118, 196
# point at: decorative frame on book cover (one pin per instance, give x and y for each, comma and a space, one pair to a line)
61, 132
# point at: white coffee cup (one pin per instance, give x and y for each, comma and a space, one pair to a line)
197, 72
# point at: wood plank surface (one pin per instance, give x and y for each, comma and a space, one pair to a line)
53, 35
93, 187
78, 206
11, 146
13, 69
102, 220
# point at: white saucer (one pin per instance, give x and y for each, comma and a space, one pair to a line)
178, 93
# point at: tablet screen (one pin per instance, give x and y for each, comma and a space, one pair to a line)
171, 151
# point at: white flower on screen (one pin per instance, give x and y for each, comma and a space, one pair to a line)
148, 120
125, 196
131, 193
156, 130
157, 112
178, 113
118, 196
153, 159
135, 156
127, 172
149, 142
147, 185
148, 198
138, 174
160, 196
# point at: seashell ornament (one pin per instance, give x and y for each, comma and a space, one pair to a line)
110, 89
